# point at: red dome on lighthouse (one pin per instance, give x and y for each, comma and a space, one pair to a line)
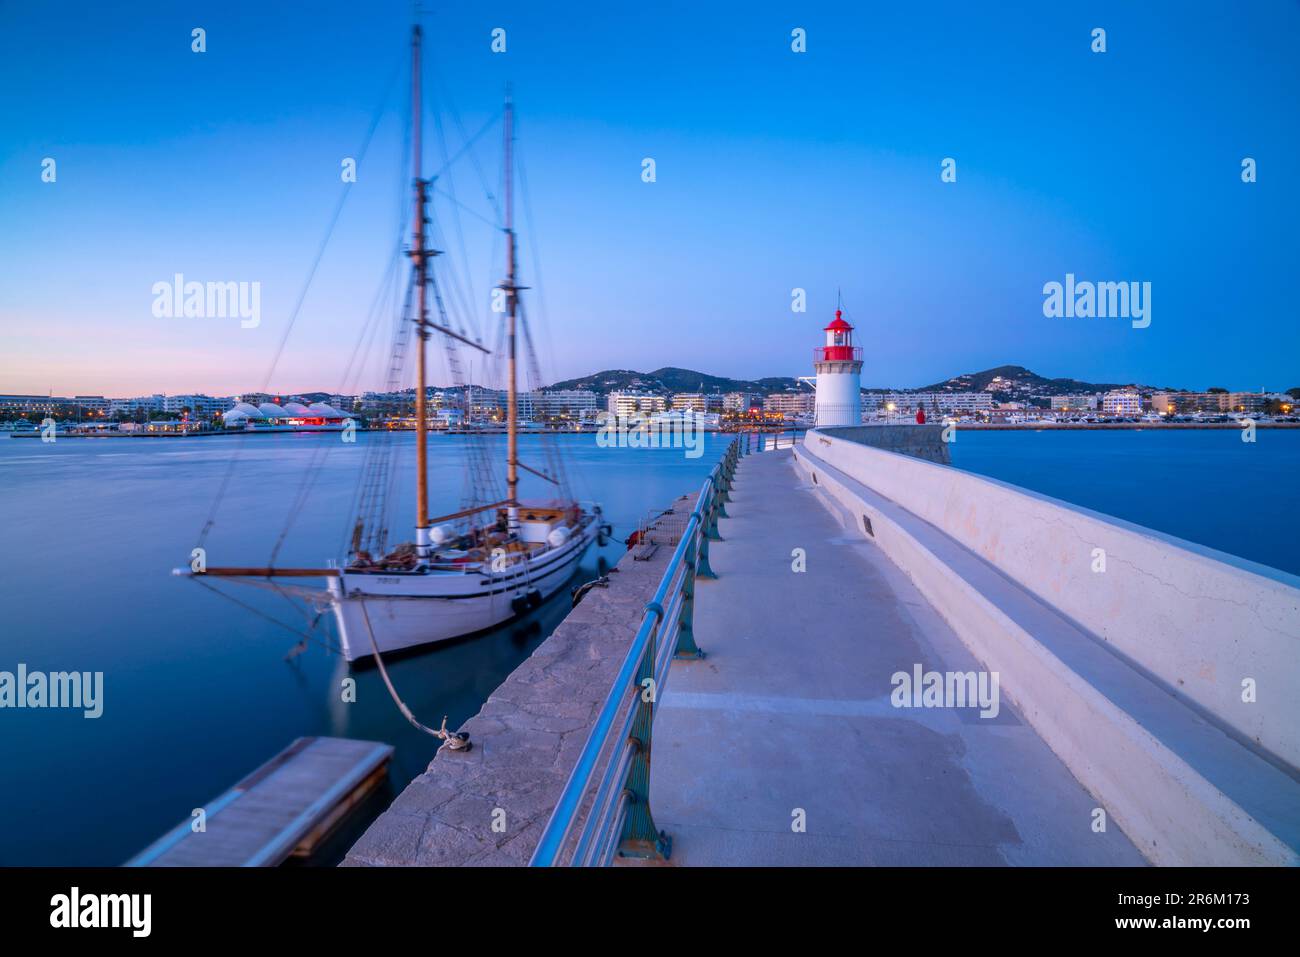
839, 325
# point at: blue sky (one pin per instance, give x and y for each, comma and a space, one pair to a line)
775, 170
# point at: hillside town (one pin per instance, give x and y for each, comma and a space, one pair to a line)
1008, 395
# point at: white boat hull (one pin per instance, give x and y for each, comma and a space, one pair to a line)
408, 610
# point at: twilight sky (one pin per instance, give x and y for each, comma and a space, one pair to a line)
775, 170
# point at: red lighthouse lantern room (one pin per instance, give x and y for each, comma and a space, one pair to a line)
839, 340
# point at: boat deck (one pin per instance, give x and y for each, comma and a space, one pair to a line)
284, 808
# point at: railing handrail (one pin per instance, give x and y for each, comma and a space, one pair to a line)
661, 612
562, 818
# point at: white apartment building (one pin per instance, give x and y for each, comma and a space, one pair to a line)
573, 403
699, 401
1121, 402
628, 404
200, 405
955, 403
790, 403
143, 403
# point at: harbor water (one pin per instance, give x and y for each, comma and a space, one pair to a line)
199, 689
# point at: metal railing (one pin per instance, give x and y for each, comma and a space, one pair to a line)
615, 760
770, 441
837, 354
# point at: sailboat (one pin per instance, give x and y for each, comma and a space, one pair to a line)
478, 567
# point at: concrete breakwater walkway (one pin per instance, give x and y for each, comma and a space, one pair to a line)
782, 746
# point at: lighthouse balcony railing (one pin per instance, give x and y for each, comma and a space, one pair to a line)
837, 354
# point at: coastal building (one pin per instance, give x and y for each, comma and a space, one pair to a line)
790, 404
143, 404
576, 404
1217, 403
838, 365
1122, 402
90, 403
48, 403
29, 403
629, 404
1073, 403
946, 403
289, 417
699, 401
740, 401
200, 406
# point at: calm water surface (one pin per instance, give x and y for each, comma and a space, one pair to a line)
198, 691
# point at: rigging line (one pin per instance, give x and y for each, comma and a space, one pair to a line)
361, 153
261, 614
491, 121
322, 451
329, 232
460, 128
372, 447
527, 196
541, 295
451, 195
469, 209
378, 473
554, 453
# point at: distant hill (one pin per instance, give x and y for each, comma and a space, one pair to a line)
672, 379
1013, 382
1017, 380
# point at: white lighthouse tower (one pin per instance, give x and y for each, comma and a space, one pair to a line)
839, 376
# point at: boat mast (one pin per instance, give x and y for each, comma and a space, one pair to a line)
420, 255
511, 290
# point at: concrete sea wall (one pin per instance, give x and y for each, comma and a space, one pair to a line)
919, 441
1132, 675
1199, 620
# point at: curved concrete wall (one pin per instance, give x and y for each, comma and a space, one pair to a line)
1201, 622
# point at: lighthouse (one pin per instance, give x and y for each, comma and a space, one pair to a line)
839, 376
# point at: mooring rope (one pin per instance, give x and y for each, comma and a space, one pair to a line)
451, 740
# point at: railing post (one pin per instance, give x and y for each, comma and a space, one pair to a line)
704, 570
686, 646
640, 838
711, 528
